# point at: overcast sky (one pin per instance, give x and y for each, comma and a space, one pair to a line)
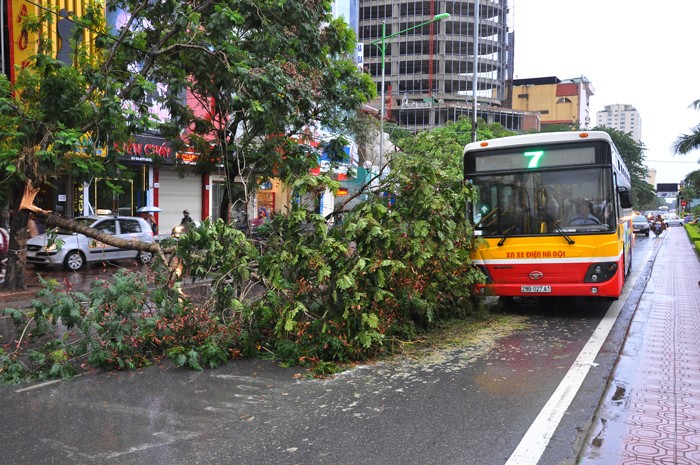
633, 52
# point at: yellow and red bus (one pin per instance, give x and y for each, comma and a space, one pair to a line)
551, 214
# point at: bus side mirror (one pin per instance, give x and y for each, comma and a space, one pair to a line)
625, 199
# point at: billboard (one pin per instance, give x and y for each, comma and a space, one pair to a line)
672, 187
668, 190
60, 31
23, 43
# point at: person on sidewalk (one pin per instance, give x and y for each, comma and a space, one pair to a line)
4, 250
150, 219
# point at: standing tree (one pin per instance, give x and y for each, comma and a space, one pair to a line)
688, 142
264, 70
632, 153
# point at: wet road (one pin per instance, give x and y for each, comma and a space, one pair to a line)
470, 404
80, 278
77, 280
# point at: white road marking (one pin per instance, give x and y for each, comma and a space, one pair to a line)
540, 432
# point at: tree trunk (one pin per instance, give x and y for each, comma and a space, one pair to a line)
15, 276
17, 260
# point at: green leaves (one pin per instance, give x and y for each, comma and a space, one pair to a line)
345, 282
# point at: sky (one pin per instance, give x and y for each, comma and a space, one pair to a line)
634, 52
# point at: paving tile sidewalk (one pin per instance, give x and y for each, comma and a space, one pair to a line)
655, 393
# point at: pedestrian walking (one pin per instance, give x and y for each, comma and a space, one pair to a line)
34, 228
4, 251
150, 219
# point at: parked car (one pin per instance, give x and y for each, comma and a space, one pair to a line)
640, 225
77, 250
671, 219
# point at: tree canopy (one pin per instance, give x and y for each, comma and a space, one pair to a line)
688, 142
632, 152
261, 72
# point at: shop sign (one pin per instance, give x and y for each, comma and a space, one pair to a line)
146, 148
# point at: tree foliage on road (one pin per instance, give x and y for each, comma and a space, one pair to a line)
272, 68
397, 264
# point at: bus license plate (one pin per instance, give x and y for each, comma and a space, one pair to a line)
532, 289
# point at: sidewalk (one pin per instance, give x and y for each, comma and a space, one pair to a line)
651, 410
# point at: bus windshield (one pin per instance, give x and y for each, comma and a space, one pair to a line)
560, 201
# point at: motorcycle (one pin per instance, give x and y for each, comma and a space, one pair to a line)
658, 228
181, 229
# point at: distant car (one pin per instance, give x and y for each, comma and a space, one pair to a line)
671, 219
640, 225
78, 250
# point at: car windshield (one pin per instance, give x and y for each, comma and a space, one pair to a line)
546, 202
640, 219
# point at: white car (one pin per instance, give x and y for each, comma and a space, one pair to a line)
671, 219
78, 250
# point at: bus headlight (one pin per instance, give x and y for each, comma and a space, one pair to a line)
600, 272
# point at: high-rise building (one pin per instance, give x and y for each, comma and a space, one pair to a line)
346, 9
622, 117
651, 176
429, 70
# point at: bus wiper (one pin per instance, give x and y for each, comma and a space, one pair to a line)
505, 236
551, 221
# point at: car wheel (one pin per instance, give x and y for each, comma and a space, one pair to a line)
145, 257
647, 233
74, 261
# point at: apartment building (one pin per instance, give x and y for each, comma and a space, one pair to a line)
557, 101
623, 117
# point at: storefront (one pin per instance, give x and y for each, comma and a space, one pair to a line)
344, 172
133, 187
178, 191
122, 195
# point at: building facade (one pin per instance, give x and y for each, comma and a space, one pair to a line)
623, 117
556, 101
429, 72
651, 176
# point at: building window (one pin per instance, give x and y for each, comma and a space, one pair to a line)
564, 100
415, 9
375, 12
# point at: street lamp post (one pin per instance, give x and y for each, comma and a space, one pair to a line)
381, 44
475, 71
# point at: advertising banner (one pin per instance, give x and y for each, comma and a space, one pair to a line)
23, 43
